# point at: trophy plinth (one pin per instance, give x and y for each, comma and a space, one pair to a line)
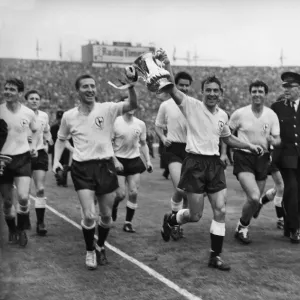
4, 160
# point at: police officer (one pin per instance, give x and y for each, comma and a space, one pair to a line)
287, 155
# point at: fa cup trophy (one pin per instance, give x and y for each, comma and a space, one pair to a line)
4, 160
148, 66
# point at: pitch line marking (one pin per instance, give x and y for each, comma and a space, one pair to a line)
147, 269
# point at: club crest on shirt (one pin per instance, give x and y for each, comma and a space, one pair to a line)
99, 122
136, 132
265, 127
24, 123
221, 125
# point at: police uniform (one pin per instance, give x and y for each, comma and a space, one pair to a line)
171, 118
287, 157
92, 166
126, 138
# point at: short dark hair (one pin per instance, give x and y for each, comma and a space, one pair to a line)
16, 82
183, 75
81, 77
258, 83
59, 114
211, 79
32, 92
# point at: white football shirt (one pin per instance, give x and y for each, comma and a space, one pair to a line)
127, 137
19, 123
204, 128
91, 133
252, 129
170, 117
42, 121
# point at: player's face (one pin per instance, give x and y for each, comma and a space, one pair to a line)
211, 94
87, 90
34, 101
184, 85
258, 94
11, 93
291, 92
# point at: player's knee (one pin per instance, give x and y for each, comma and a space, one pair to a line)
280, 188
254, 199
220, 212
9, 212
105, 221
120, 195
133, 193
89, 217
195, 217
40, 192
23, 200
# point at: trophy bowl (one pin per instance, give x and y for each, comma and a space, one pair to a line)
4, 160
147, 65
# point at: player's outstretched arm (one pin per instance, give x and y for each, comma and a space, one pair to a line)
59, 148
235, 142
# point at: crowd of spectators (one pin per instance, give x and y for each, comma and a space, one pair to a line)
55, 80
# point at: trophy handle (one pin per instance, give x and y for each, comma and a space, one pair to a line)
4, 160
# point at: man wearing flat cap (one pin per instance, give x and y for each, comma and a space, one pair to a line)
287, 155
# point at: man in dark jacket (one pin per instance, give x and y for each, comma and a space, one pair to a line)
287, 155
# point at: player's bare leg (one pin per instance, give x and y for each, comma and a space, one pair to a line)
23, 187
39, 177
253, 190
119, 196
7, 201
133, 182
177, 198
88, 224
217, 230
105, 203
191, 214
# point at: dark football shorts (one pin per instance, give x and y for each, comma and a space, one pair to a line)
40, 162
251, 163
202, 173
95, 175
20, 166
131, 166
272, 168
175, 153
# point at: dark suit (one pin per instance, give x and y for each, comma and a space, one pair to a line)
287, 158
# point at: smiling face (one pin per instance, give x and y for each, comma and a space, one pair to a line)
291, 91
87, 90
258, 95
11, 93
183, 85
33, 101
211, 94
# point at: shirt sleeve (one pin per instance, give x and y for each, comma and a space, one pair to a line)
143, 132
64, 130
188, 104
234, 122
116, 109
226, 130
33, 125
161, 120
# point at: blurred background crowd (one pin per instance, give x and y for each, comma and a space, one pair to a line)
55, 80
